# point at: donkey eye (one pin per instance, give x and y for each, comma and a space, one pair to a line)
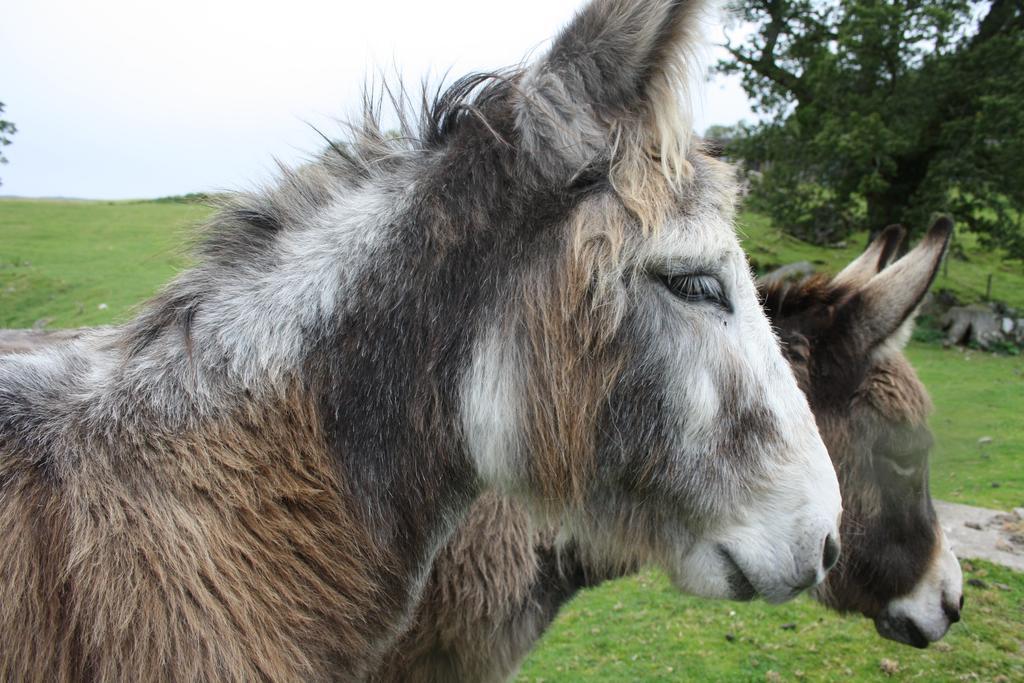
906, 464
698, 287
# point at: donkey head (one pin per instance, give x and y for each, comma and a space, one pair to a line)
844, 338
632, 386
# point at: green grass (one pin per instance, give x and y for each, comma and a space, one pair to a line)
61, 260
642, 629
976, 395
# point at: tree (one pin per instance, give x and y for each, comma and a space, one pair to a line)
886, 111
7, 129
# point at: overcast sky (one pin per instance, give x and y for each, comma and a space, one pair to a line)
136, 98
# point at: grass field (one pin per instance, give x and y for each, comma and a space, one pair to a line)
86, 263
642, 629
89, 263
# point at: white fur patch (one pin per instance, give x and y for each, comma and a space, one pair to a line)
491, 409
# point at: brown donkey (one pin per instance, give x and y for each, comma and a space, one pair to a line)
500, 582
539, 290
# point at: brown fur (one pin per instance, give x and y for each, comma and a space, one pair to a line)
573, 363
234, 553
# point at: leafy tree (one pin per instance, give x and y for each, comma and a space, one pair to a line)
885, 111
7, 129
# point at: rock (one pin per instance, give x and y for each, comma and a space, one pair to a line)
788, 627
789, 273
967, 324
976, 583
102, 307
972, 525
985, 440
889, 666
1019, 512
1007, 325
996, 484
730, 637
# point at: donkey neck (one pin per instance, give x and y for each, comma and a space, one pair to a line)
333, 307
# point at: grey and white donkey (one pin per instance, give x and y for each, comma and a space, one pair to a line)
501, 580
539, 292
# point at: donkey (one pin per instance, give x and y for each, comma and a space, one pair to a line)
500, 581
538, 291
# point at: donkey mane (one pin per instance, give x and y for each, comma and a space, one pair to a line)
245, 224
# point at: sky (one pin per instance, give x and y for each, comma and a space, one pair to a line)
118, 99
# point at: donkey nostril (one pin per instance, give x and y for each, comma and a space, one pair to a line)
952, 613
831, 553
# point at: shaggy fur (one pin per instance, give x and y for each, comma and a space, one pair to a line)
499, 583
250, 480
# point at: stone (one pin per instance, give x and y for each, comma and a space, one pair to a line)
889, 666
976, 323
789, 273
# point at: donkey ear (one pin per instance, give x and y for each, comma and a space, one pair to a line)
875, 258
613, 77
887, 302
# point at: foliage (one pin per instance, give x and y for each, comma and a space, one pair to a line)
7, 129
201, 198
879, 112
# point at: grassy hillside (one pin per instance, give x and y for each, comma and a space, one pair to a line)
63, 261
60, 261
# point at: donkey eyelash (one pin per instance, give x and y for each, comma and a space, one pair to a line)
906, 464
902, 470
697, 288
